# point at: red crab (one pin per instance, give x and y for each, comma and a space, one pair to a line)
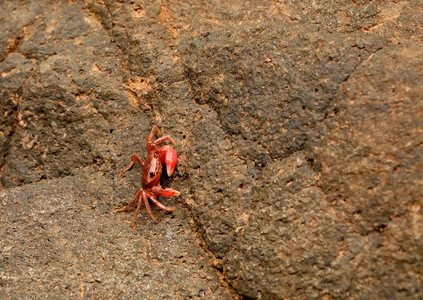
151, 172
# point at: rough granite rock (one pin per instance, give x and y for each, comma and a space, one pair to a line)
299, 133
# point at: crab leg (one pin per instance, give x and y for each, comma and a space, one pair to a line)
134, 158
137, 195
161, 206
147, 206
137, 211
163, 139
153, 132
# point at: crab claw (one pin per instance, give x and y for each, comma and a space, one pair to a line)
167, 192
170, 157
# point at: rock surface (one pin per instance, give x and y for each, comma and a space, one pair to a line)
298, 129
57, 240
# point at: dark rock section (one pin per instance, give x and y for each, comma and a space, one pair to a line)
347, 221
289, 231
371, 172
66, 83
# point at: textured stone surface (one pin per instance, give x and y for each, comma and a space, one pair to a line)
58, 241
375, 148
299, 132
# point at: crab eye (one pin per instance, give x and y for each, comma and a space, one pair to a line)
152, 174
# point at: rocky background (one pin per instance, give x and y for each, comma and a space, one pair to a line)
299, 132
